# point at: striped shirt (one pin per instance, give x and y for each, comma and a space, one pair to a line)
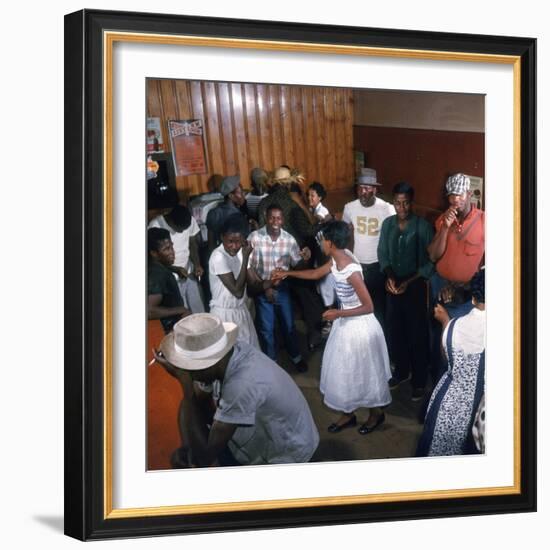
252, 203
269, 255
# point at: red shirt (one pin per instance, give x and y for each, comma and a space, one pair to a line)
465, 247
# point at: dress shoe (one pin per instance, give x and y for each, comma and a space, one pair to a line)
417, 394
314, 341
395, 381
335, 428
364, 429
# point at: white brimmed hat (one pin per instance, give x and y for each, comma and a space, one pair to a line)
198, 341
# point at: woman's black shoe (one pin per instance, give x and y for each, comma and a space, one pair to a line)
364, 429
335, 428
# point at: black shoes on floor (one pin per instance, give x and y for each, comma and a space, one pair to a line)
364, 429
335, 428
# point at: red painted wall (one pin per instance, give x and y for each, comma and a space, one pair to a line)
424, 158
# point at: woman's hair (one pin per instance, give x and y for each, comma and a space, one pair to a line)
319, 189
235, 223
336, 232
477, 286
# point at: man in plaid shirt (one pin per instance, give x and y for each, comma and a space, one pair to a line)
274, 248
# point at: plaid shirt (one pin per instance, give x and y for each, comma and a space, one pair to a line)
269, 255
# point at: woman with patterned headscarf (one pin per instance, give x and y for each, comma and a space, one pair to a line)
456, 397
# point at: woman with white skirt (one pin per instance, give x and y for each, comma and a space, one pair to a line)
355, 369
227, 271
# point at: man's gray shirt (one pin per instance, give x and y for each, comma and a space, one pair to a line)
275, 423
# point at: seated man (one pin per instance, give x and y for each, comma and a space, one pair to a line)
164, 300
274, 248
261, 416
184, 232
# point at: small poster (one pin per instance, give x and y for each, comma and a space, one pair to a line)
154, 136
187, 138
476, 187
359, 157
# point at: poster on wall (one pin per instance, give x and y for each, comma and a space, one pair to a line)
476, 187
154, 136
187, 139
359, 157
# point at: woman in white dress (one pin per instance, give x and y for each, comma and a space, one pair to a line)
355, 369
227, 271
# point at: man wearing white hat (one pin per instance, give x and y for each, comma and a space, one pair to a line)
365, 215
261, 415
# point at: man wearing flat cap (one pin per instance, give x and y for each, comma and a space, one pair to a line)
457, 250
458, 246
234, 203
365, 216
261, 415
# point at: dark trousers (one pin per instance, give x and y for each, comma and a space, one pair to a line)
376, 285
408, 332
305, 294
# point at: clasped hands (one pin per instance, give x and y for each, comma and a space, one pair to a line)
393, 288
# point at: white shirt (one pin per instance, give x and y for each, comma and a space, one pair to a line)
220, 263
320, 211
367, 222
180, 240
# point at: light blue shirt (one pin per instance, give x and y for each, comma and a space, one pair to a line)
275, 423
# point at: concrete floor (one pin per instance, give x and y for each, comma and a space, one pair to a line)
397, 437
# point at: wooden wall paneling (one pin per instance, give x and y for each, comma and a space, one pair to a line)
183, 100
227, 134
288, 153
170, 112
239, 125
264, 121
154, 107
339, 137
349, 173
212, 127
311, 165
276, 126
249, 125
330, 125
252, 130
197, 183
298, 125
320, 134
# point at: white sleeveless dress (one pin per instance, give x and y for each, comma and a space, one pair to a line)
356, 368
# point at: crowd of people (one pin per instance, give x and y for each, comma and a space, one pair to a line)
391, 297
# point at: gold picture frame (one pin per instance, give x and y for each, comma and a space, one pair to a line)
91, 37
